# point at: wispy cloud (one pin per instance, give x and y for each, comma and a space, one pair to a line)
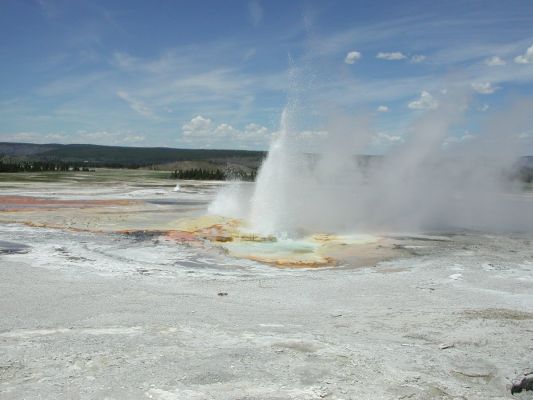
256, 12
484, 87
187, 79
361, 36
449, 55
392, 56
92, 81
73, 83
135, 104
418, 58
495, 61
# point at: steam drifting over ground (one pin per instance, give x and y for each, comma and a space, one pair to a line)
434, 180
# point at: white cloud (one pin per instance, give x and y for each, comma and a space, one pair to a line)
424, 102
484, 108
352, 57
198, 126
202, 131
526, 58
256, 12
134, 104
225, 130
495, 61
382, 109
255, 131
524, 135
392, 56
484, 87
417, 58
205, 132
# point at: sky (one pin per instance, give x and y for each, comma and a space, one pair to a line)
215, 74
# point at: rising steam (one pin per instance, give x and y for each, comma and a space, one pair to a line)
419, 185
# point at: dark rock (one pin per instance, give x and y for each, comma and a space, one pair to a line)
526, 383
13, 248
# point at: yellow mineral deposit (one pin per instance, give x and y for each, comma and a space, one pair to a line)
234, 236
319, 250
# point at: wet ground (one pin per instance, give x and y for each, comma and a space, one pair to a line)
112, 300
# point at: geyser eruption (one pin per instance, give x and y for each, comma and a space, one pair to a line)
270, 205
298, 192
428, 182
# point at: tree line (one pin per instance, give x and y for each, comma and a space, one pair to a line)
17, 165
212, 175
64, 166
41, 166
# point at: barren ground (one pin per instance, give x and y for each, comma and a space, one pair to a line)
88, 313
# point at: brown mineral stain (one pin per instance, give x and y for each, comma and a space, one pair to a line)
180, 236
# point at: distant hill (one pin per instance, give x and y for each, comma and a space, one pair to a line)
23, 149
170, 159
118, 156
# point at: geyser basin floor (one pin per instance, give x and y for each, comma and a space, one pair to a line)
90, 316
102, 201
93, 315
148, 205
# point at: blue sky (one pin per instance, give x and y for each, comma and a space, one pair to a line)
214, 74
